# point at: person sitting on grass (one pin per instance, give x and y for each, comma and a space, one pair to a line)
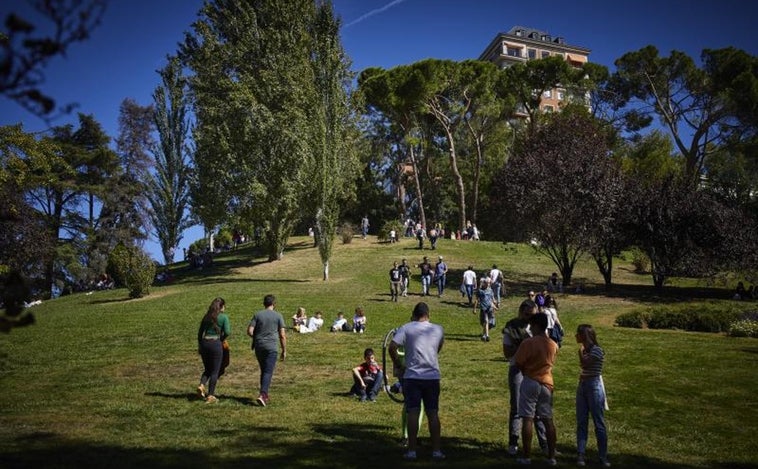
300, 319
340, 324
359, 320
367, 378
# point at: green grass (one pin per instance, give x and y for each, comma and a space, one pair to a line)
102, 380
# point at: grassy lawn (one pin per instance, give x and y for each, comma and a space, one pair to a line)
104, 381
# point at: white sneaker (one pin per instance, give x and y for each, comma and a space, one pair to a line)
513, 450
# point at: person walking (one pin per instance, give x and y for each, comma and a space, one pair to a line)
265, 327
427, 272
405, 276
496, 283
516, 331
364, 226
535, 358
440, 275
395, 279
469, 282
213, 331
422, 341
590, 395
485, 300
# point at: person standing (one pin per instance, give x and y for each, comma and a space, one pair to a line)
516, 331
496, 283
469, 282
535, 358
440, 275
433, 235
420, 235
405, 276
394, 281
485, 301
422, 341
265, 327
213, 331
590, 395
426, 275
364, 226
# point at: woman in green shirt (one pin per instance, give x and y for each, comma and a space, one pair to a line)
214, 329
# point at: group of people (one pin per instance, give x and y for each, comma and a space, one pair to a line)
303, 324
414, 351
399, 277
266, 328
531, 354
742, 293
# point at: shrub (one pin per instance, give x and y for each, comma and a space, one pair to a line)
701, 318
135, 269
743, 328
347, 231
640, 261
384, 231
634, 319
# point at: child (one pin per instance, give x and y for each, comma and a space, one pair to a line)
340, 324
367, 377
359, 320
300, 319
315, 322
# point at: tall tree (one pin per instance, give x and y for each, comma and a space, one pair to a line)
168, 187
559, 186
693, 104
253, 87
334, 162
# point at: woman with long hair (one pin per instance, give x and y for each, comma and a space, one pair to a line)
213, 331
590, 395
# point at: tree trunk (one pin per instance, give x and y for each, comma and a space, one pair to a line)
416, 180
326, 270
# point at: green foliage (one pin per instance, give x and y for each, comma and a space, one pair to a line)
135, 269
384, 230
744, 328
640, 261
700, 318
347, 232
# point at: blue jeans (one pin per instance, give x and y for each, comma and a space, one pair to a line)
426, 280
496, 292
469, 292
373, 388
590, 400
514, 420
267, 363
440, 284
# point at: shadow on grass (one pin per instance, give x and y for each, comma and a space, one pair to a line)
329, 445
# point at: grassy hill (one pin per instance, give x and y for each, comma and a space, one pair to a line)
102, 380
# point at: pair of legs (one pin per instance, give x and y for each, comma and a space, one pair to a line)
590, 400
426, 392
496, 293
394, 290
469, 292
404, 286
440, 284
212, 353
514, 421
485, 318
426, 281
373, 387
536, 400
267, 363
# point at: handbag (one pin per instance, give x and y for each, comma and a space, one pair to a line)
224, 357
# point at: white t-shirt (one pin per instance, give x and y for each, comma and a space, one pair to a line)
494, 274
421, 341
315, 323
469, 277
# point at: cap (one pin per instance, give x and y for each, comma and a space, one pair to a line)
440, 257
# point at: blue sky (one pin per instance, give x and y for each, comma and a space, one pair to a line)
122, 56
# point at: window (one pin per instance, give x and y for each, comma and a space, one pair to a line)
547, 94
560, 95
532, 54
545, 54
548, 108
513, 52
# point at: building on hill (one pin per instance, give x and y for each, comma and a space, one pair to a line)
522, 44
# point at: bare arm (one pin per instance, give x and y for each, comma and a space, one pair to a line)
283, 342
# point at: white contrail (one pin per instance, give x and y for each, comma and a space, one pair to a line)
373, 12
